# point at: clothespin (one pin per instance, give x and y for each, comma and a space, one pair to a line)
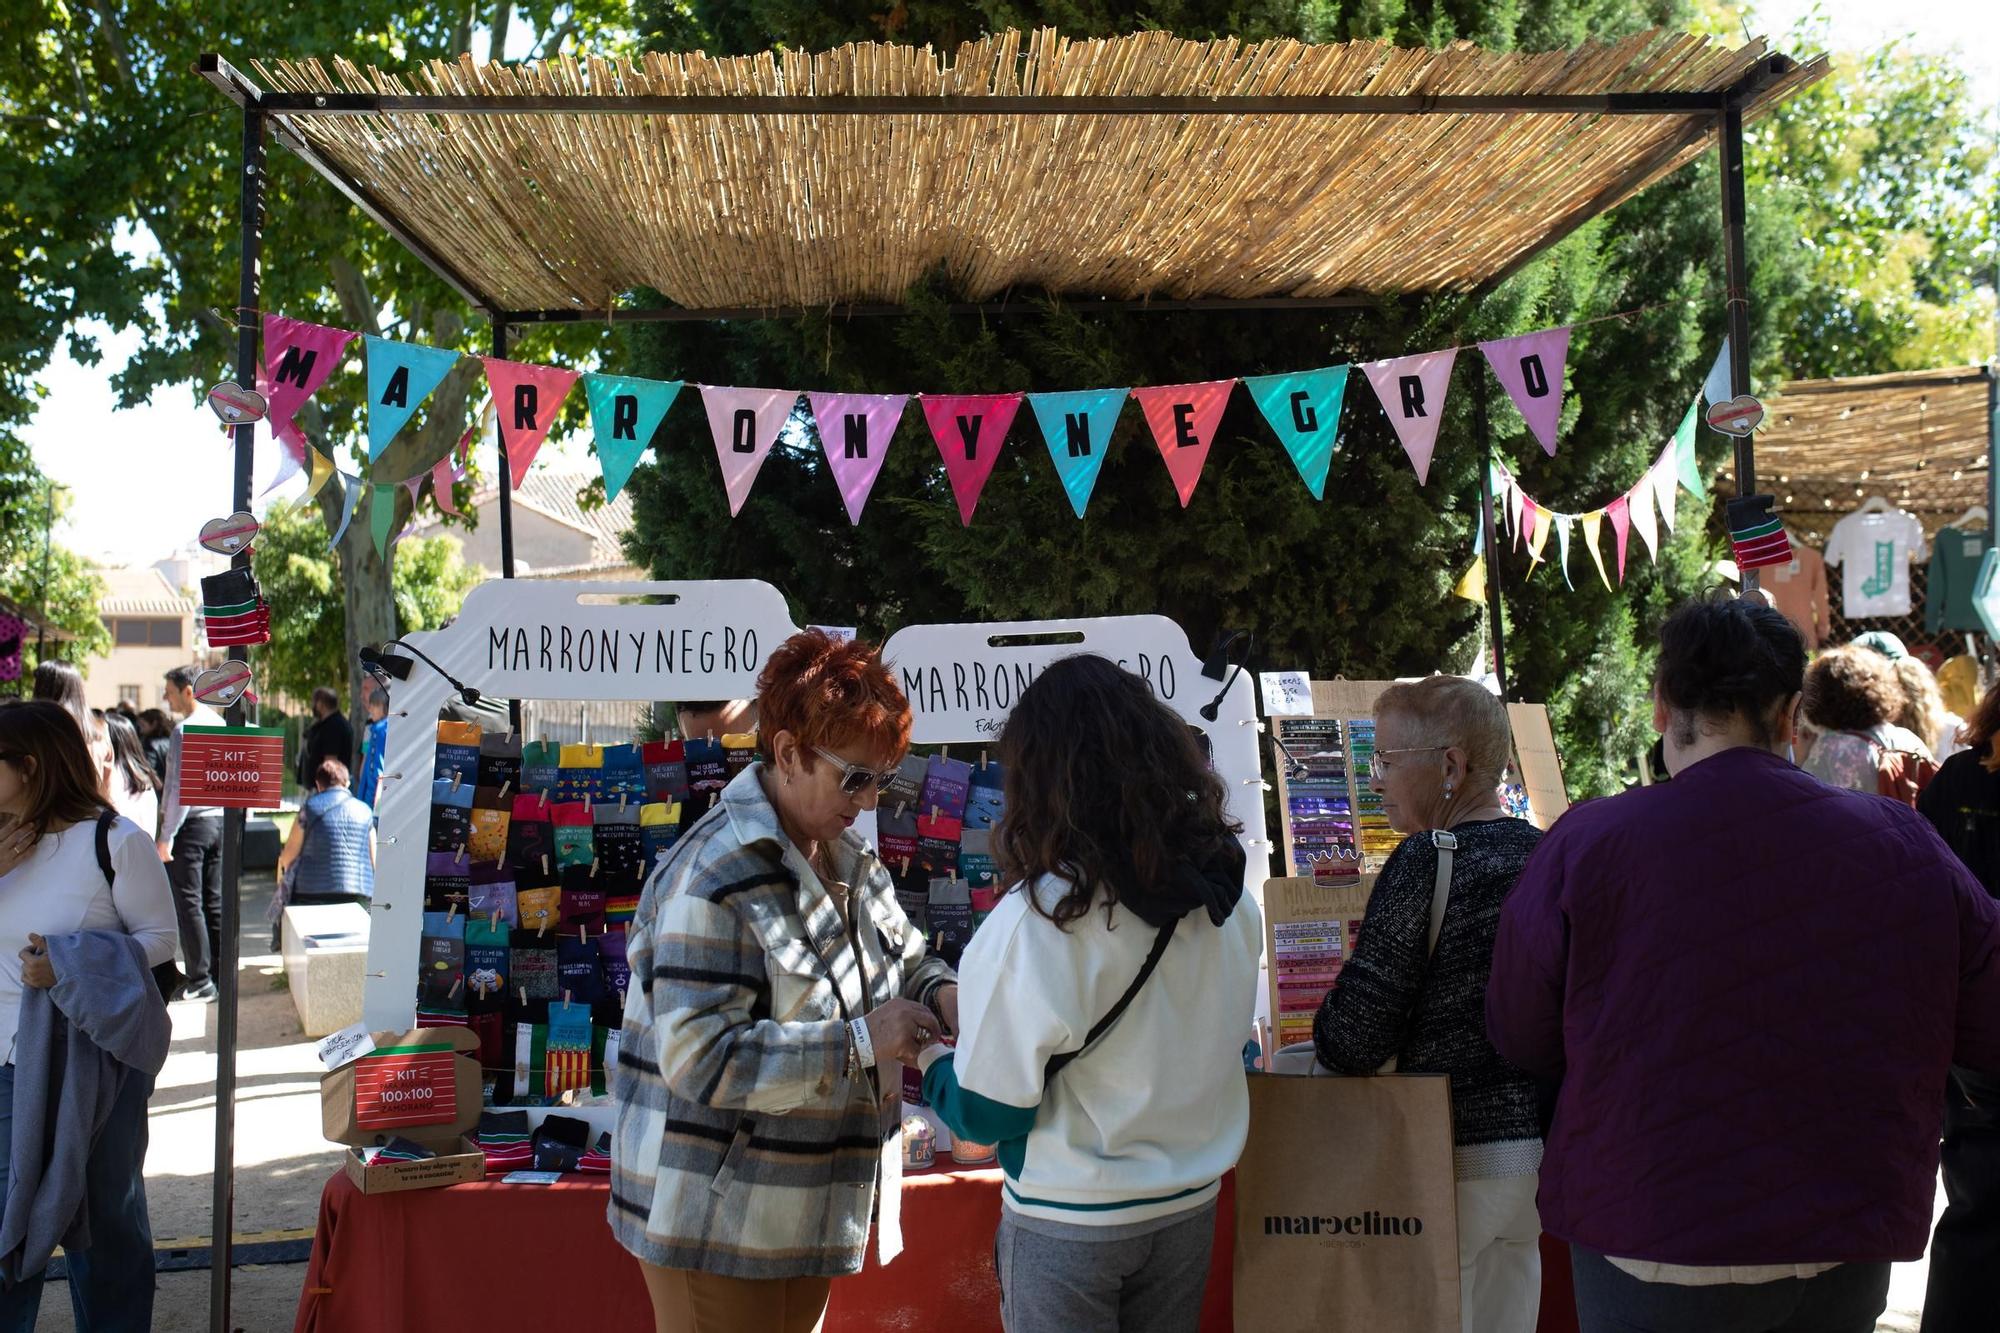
935, 812
622, 798
711, 737
544, 927
906, 865
593, 867
524, 997
505, 787
545, 796
493, 923
565, 999
545, 863
451, 910
583, 931
589, 804
944, 752
457, 985
457, 780
982, 761
902, 809
459, 859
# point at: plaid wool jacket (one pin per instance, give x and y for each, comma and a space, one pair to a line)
743, 1147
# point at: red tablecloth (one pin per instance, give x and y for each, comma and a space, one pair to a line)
498, 1258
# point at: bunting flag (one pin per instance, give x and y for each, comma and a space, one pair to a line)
1621, 523
449, 471
1516, 503
1472, 584
1716, 387
1526, 532
299, 357
1530, 368
1665, 491
1593, 524
1184, 418
970, 429
1563, 524
381, 514
400, 377
1539, 537
1640, 510
322, 472
1304, 409
289, 457
745, 423
351, 484
1077, 429
1412, 390
528, 398
624, 413
864, 424
1687, 464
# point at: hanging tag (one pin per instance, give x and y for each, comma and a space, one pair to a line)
235, 405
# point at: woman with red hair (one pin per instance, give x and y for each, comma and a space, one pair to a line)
776, 988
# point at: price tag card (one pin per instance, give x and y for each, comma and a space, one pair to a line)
233, 766
1286, 693
406, 1085
350, 1043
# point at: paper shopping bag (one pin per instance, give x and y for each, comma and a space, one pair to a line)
1346, 1206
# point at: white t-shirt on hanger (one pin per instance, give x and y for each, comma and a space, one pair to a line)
1873, 548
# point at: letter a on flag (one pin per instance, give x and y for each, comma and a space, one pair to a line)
1412, 391
1530, 368
624, 413
526, 398
745, 423
854, 434
1077, 428
299, 357
969, 429
400, 377
1184, 418
1304, 409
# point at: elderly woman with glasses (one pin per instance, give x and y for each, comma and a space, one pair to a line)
776, 989
1415, 989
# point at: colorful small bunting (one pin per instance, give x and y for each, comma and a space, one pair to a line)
1593, 524
863, 424
528, 398
1530, 368
1640, 509
970, 430
1184, 418
1564, 522
1304, 409
1412, 390
322, 472
1472, 584
1621, 524
624, 413
1539, 536
381, 514
745, 423
299, 358
1077, 429
1665, 491
351, 488
400, 377
1716, 388
1687, 464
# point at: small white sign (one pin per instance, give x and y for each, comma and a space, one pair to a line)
1286, 693
838, 633
532, 1178
346, 1045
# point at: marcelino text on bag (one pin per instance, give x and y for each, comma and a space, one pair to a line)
1363, 1224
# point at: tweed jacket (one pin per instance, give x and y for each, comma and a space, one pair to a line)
743, 1146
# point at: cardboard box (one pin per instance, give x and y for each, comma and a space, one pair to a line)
423, 1086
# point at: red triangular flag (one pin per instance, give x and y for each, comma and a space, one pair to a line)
1184, 418
969, 429
527, 397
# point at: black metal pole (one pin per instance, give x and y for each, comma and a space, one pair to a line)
1736, 263
222, 1221
506, 495
1483, 427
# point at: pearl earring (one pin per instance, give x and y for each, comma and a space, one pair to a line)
1447, 791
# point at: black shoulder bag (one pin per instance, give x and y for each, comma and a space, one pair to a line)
1103, 1025
167, 976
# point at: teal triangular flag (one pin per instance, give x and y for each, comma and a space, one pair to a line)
400, 377
624, 413
381, 514
1686, 465
1304, 408
1077, 428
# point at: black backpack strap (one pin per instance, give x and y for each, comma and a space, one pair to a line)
104, 822
1103, 1025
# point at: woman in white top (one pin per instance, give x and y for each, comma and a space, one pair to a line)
51, 884
134, 786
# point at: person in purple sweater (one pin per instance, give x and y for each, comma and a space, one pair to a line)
1750, 987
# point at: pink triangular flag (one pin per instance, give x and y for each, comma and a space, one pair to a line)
1621, 523
1544, 521
854, 434
1641, 511
1527, 529
970, 429
527, 398
1412, 391
745, 423
1530, 368
300, 358
441, 483
1184, 418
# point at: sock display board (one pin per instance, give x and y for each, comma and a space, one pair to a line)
453, 850
1310, 930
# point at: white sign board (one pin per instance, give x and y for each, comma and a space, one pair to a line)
535, 639
1286, 693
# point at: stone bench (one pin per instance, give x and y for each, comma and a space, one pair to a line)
326, 962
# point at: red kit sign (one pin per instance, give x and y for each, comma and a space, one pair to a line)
409, 1085
234, 766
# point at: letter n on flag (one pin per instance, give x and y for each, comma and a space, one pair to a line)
1184, 418
1077, 428
526, 398
746, 424
970, 429
1530, 368
854, 434
1412, 390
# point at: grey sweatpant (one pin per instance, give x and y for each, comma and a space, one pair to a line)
1151, 1283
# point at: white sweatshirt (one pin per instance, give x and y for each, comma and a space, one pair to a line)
1143, 1124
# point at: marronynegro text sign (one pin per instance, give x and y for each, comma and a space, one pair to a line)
233, 766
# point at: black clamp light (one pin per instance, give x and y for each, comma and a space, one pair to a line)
383, 664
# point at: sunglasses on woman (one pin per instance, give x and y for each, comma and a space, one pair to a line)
855, 778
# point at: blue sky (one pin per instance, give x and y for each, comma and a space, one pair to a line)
142, 481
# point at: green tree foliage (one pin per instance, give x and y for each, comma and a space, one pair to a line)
302, 581
54, 583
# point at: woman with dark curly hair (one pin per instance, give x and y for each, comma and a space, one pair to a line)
1852, 696
1123, 949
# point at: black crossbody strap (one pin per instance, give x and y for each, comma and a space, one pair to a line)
104, 823
1103, 1025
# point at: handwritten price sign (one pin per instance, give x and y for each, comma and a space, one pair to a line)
234, 766
406, 1086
